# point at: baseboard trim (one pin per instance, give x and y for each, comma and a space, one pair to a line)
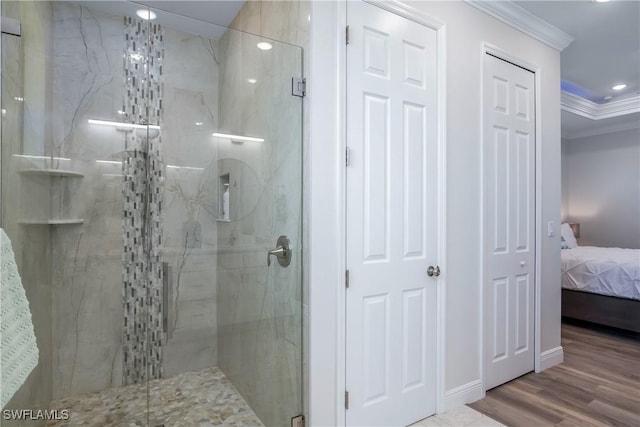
461, 395
551, 357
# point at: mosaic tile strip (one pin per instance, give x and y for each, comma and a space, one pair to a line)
142, 193
205, 398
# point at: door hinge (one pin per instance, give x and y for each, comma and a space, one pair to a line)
297, 421
298, 86
346, 279
346, 400
347, 35
347, 156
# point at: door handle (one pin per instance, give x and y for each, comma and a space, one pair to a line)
433, 271
279, 252
282, 252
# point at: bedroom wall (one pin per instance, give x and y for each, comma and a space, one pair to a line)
602, 180
564, 212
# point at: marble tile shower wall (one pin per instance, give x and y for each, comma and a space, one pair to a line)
191, 71
22, 132
259, 322
87, 282
88, 311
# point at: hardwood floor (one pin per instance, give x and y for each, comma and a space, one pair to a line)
597, 385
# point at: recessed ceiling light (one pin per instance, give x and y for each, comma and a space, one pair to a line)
601, 1
619, 87
264, 45
252, 81
199, 123
146, 14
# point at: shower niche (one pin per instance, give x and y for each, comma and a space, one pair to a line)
224, 202
239, 188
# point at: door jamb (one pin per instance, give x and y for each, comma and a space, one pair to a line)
503, 54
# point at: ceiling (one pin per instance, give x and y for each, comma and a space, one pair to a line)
205, 18
219, 12
605, 52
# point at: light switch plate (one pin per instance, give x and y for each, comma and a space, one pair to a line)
551, 229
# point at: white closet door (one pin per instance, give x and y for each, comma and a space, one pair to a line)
509, 212
391, 218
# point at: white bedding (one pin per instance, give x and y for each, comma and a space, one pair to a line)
605, 271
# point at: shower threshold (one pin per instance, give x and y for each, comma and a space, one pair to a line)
201, 399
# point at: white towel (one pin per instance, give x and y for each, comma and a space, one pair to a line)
18, 349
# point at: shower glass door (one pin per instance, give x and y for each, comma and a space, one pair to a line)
149, 164
229, 146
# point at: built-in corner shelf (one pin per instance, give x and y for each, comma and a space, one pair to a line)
70, 221
51, 172
59, 173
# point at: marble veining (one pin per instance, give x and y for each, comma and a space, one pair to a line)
88, 311
22, 83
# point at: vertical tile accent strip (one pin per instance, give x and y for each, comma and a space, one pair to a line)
142, 192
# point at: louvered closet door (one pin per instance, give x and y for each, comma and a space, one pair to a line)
391, 218
509, 238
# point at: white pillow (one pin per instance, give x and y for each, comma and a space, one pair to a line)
567, 234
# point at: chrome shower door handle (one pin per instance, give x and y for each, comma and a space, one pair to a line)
282, 252
279, 252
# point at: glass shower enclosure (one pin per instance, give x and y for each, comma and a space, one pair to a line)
151, 182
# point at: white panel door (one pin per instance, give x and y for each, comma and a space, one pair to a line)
391, 218
509, 212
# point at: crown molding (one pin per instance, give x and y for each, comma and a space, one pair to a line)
585, 108
525, 21
603, 130
399, 8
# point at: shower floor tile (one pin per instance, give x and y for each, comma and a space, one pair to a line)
195, 399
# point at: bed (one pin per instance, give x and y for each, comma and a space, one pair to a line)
601, 285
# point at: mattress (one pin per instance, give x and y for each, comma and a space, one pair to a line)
604, 271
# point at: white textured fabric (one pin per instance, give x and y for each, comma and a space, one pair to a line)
18, 349
605, 271
567, 234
